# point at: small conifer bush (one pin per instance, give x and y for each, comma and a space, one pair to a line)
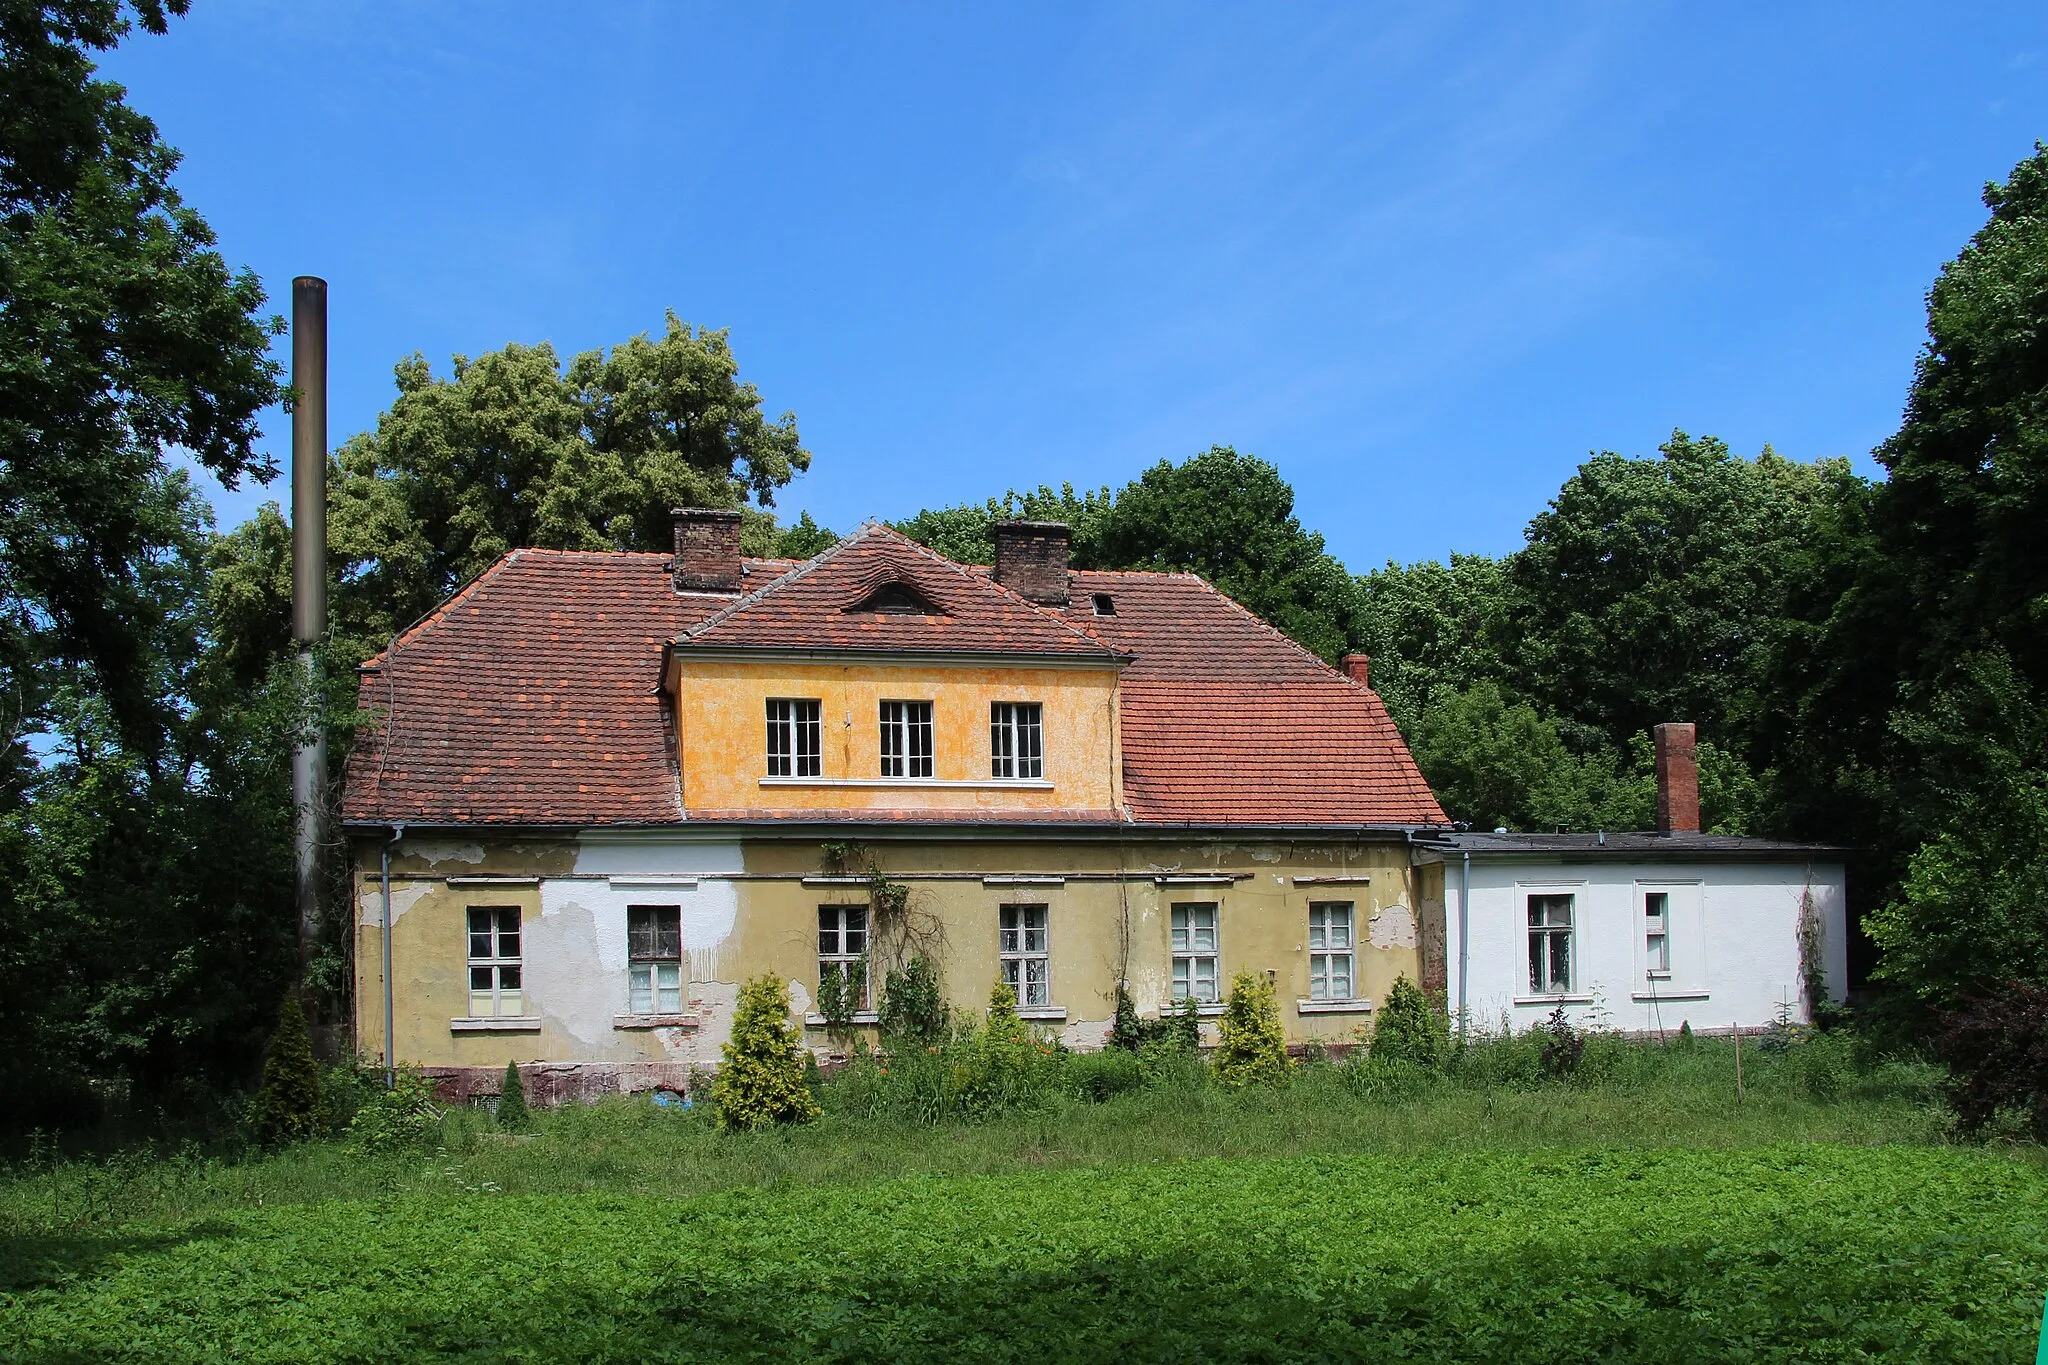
1253, 1050
1409, 1029
762, 1080
288, 1107
512, 1115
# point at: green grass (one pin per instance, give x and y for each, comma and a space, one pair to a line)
1643, 1213
1785, 1252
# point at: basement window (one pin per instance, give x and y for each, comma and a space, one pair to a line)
1026, 959
494, 963
1194, 953
794, 747
906, 739
654, 948
1331, 966
1016, 739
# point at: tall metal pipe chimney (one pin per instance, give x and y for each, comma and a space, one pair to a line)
309, 580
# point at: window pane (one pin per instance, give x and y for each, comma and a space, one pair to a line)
480, 978
1036, 981
1340, 977
1030, 742
482, 1004
668, 980
508, 977
1007, 938
640, 989
1535, 963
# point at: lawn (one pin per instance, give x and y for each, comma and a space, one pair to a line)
1648, 1216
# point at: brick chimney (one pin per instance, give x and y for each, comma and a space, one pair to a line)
707, 550
1678, 780
1355, 667
1031, 560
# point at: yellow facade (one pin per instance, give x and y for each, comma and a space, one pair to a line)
721, 714
752, 907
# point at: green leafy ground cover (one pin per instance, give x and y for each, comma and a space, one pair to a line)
1784, 1252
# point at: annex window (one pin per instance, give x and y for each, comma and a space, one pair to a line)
654, 952
794, 745
1026, 958
1016, 739
906, 739
843, 947
1657, 932
1194, 952
1550, 944
494, 975
1330, 963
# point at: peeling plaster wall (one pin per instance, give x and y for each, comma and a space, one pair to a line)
746, 910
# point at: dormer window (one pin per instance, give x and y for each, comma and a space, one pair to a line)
897, 598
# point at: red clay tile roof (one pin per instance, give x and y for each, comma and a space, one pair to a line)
529, 698
812, 607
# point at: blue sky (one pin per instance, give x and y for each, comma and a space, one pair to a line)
1421, 258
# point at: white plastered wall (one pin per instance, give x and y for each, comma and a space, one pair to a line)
1734, 941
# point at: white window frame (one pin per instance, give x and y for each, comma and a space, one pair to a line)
1332, 950
1543, 956
842, 944
495, 952
795, 737
1016, 740
906, 739
1657, 933
1024, 948
654, 969
1188, 922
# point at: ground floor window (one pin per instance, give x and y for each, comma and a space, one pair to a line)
1330, 961
843, 950
654, 948
1550, 944
1657, 930
494, 962
1194, 952
1025, 954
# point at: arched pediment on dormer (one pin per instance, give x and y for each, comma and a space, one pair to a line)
895, 597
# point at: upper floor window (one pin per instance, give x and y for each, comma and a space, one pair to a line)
1330, 961
1016, 740
1550, 945
794, 739
654, 949
906, 739
494, 963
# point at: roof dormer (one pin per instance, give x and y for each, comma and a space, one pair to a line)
894, 597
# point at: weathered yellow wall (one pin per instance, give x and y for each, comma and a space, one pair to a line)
722, 719
1110, 897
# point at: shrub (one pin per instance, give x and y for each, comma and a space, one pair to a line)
762, 1080
914, 1011
1371, 1076
1253, 1050
1183, 1028
403, 1116
288, 1107
512, 1100
1409, 1029
1996, 1050
1128, 1032
1563, 1046
1098, 1076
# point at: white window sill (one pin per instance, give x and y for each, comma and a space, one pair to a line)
1358, 1006
1657, 975
629, 1022
1044, 1014
957, 783
859, 1017
1570, 998
496, 1023
1206, 1011
1648, 996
